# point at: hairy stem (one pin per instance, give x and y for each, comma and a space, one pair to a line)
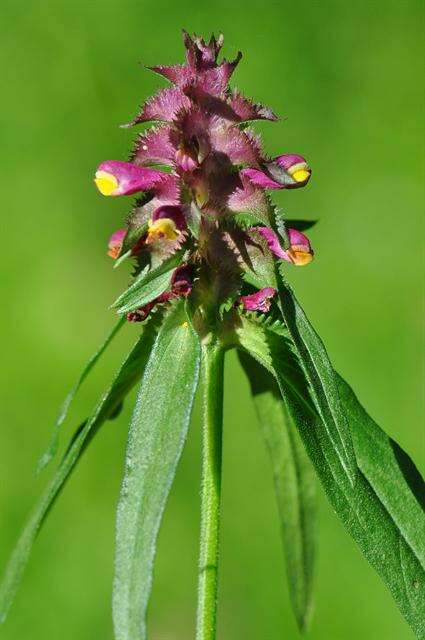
212, 383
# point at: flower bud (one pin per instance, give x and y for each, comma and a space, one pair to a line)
259, 301
115, 178
182, 282
115, 243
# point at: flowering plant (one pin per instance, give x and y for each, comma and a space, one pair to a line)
211, 254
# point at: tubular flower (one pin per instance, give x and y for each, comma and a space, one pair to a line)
206, 206
299, 252
167, 223
289, 171
115, 178
259, 301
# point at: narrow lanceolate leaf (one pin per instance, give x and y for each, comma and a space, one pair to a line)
390, 471
294, 483
157, 435
54, 442
148, 285
372, 516
127, 376
321, 377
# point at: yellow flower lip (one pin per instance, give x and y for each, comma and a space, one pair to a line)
301, 175
299, 172
299, 257
106, 183
161, 229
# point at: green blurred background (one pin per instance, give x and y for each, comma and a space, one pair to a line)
346, 76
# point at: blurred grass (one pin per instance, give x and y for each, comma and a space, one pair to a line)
347, 77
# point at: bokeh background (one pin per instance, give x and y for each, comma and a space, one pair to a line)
346, 79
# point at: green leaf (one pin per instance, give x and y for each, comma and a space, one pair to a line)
148, 285
248, 219
54, 441
256, 261
294, 484
123, 257
390, 471
372, 526
372, 515
321, 377
157, 435
127, 376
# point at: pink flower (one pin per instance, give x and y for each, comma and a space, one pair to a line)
259, 301
299, 253
288, 171
115, 243
167, 223
116, 178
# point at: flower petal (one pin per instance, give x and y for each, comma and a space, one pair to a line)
272, 242
259, 301
115, 243
116, 178
296, 238
261, 179
299, 253
290, 170
166, 223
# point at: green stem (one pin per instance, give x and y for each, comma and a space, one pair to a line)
212, 382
